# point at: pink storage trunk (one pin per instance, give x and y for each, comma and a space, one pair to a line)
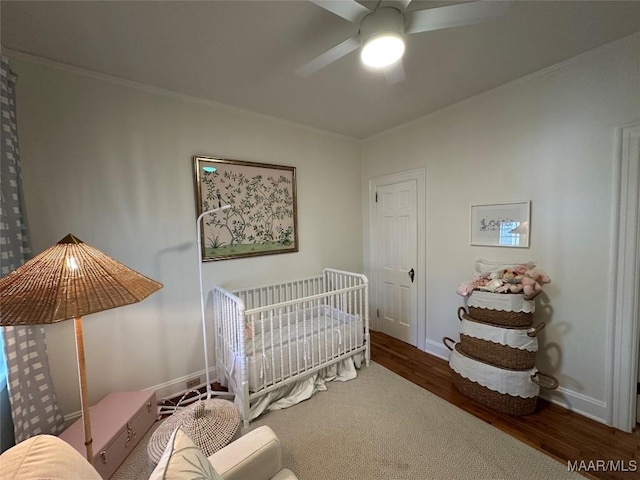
118, 422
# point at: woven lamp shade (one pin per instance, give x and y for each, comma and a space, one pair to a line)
69, 280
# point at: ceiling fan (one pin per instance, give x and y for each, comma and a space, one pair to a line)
382, 30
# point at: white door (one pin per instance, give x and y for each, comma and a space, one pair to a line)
397, 240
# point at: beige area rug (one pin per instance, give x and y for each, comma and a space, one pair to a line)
382, 427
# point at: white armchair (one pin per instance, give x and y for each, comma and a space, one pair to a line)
255, 456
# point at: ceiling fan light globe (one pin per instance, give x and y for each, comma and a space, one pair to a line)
382, 50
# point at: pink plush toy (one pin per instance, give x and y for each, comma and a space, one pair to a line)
520, 269
538, 275
248, 331
510, 288
532, 282
464, 289
530, 288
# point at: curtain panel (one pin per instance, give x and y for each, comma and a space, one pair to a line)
34, 406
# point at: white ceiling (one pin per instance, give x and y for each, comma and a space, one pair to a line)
244, 53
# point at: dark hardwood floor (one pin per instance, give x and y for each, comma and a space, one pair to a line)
553, 430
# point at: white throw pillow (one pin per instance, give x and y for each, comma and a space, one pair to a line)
183, 460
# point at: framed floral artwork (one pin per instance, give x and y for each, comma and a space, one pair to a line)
262, 215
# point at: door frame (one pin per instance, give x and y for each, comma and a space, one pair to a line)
420, 176
624, 331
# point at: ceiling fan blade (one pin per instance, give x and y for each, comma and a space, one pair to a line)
454, 15
400, 3
347, 9
329, 56
394, 73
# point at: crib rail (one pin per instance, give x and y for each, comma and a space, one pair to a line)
272, 335
255, 297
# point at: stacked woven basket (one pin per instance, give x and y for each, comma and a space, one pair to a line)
494, 362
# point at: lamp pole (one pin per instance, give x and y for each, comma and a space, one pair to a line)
202, 315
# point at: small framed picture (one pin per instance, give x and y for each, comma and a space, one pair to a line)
505, 224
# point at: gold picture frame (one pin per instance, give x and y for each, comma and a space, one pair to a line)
262, 218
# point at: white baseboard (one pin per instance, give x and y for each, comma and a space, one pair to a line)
437, 349
176, 387
577, 402
172, 388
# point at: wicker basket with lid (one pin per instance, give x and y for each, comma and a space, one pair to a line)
211, 424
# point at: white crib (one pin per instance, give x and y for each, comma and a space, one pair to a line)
271, 336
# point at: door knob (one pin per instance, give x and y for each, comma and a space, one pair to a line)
412, 274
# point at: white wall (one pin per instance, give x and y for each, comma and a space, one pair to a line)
549, 138
111, 163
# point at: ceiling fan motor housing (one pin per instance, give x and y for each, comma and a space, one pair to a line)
384, 21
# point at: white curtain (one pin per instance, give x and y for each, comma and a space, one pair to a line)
34, 407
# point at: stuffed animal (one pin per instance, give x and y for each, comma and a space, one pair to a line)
479, 279
538, 275
465, 288
516, 288
532, 282
492, 286
497, 275
520, 269
248, 331
511, 276
518, 279
530, 288
510, 288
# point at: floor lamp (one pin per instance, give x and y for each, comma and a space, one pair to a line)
69, 280
202, 315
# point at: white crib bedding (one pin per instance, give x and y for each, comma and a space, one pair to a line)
265, 367
289, 348
271, 319
294, 326
298, 391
